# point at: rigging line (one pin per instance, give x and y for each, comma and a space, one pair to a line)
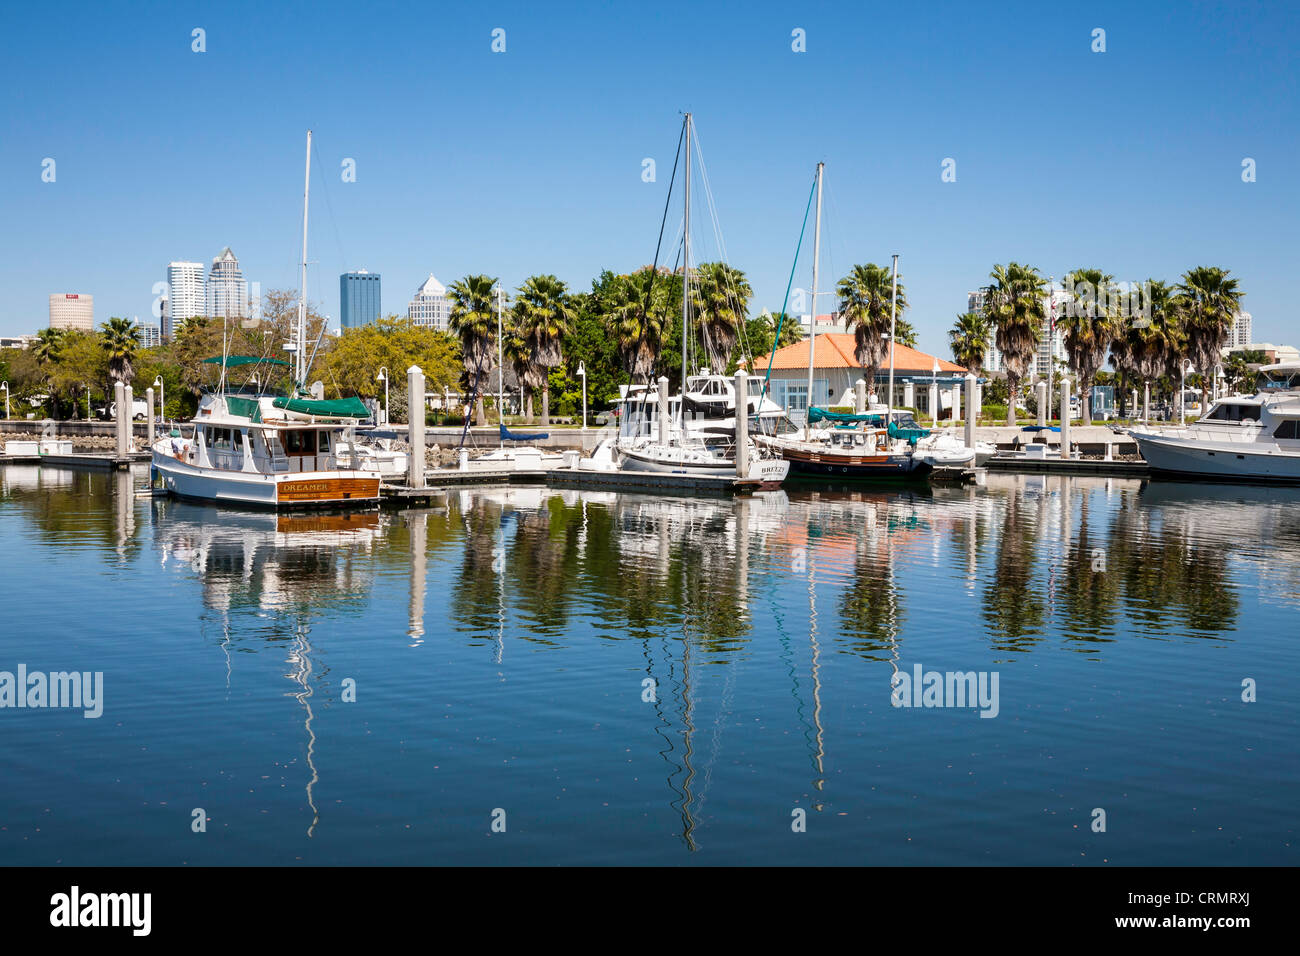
664, 221
776, 338
731, 290
329, 208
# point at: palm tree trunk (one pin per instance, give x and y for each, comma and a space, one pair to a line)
1013, 391
546, 403
529, 414
1085, 405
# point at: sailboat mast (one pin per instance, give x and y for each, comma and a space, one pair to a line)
300, 355
893, 323
812, 324
686, 261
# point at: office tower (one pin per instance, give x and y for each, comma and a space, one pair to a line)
72, 310
358, 298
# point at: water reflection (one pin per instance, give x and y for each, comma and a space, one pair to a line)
819, 591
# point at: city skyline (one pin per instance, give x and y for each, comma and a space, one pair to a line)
407, 198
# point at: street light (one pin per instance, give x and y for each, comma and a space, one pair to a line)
5, 387
87, 403
162, 399
582, 371
383, 377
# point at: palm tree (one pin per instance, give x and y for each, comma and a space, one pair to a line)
47, 345
473, 319
1209, 301
722, 294
636, 311
1089, 324
517, 352
1015, 307
1154, 339
121, 340
969, 337
544, 313
865, 306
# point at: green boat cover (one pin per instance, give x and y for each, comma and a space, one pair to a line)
250, 408
234, 361
326, 408
816, 414
910, 434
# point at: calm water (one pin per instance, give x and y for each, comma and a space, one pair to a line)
502, 648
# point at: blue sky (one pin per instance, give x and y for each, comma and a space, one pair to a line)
530, 160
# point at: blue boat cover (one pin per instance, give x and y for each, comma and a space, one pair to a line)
508, 435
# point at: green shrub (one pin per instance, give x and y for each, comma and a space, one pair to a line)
994, 412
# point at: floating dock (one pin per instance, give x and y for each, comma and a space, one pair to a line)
86, 460
1095, 467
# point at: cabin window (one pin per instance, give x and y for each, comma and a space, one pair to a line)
323, 443
1288, 429
300, 443
1234, 413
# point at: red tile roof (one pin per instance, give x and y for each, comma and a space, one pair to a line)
835, 350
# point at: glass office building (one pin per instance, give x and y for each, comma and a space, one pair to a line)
358, 298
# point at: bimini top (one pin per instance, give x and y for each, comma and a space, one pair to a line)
234, 361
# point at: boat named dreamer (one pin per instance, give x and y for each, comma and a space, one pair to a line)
270, 451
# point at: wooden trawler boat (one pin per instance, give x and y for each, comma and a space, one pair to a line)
269, 451
290, 451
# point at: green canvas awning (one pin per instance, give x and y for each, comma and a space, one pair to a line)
234, 361
325, 408
249, 408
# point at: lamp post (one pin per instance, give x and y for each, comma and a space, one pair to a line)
87, 403
162, 399
501, 372
383, 377
582, 371
5, 387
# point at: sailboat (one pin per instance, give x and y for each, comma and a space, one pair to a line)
857, 446
656, 436
275, 451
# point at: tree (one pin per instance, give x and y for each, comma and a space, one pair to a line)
1015, 307
904, 334
969, 337
1090, 325
866, 295
121, 341
1153, 341
517, 351
544, 314
723, 297
1209, 302
46, 346
473, 320
635, 309
351, 364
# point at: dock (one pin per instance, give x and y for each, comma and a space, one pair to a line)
86, 460
1096, 467
441, 480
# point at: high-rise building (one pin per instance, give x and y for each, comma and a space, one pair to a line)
150, 335
72, 310
225, 292
358, 298
1051, 343
184, 295
1241, 330
430, 307
992, 357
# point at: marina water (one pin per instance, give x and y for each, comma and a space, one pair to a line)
530, 675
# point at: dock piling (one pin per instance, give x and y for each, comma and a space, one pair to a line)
1065, 418
415, 426
742, 424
